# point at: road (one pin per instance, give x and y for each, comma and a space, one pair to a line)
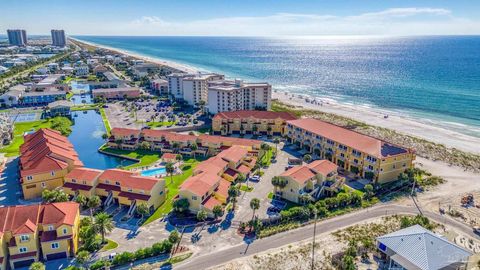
285, 238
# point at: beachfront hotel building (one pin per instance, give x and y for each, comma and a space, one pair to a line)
211, 179
251, 122
315, 179
360, 154
237, 95
192, 88
115, 186
46, 157
29, 233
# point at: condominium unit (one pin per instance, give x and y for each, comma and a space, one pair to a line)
159, 86
29, 233
117, 93
168, 142
192, 88
46, 157
237, 95
315, 179
58, 38
211, 179
251, 122
120, 187
360, 154
17, 37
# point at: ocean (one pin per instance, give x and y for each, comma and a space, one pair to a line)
434, 79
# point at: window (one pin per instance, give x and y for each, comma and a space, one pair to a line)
52, 173
54, 245
22, 249
43, 185
117, 183
65, 231
74, 180
107, 182
24, 238
29, 177
50, 228
194, 198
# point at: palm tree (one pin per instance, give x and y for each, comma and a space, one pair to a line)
175, 146
254, 205
233, 194
201, 215
276, 141
217, 211
81, 199
307, 158
93, 203
142, 209
279, 182
82, 257
103, 224
305, 198
194, 148
178, 157
169, 168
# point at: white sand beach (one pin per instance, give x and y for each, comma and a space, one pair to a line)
372, 116
396, 122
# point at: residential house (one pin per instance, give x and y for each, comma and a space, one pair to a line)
365, 156
251, 122
416, 248
29, 233
45, 158
315, 179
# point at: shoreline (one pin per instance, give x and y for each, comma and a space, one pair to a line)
372, 116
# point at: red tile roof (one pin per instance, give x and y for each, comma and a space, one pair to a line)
84, 174
201, 183
125, 132
129, 179
243, 169
299, 173
323, 167
169, 156
268, 115
46, 150
370, 145
223, 187
234, 154
23, 219
210, 202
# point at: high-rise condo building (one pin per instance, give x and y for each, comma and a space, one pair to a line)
58, 38
17, 37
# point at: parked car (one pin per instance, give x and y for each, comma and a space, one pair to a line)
255, 178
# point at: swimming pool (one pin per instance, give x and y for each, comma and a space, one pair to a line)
155, 171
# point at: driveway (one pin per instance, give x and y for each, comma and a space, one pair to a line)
10, 191
262, 188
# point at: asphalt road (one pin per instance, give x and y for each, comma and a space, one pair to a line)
281, 239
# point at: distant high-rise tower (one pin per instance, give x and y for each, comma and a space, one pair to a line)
58, 38
17, 37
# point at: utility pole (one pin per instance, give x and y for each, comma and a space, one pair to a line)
313, 241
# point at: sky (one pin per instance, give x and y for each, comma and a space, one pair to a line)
243, 17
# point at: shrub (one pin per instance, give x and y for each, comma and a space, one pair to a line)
100, 264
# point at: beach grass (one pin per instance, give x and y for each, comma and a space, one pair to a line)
173, 185
423, 148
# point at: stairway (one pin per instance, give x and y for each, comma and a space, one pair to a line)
109, 199
132, 208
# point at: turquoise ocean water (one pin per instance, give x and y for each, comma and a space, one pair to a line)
435, 79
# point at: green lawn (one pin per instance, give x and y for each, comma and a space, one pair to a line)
246, 188
173, 189
146, 157
85, 107
109, 245
20, 128
105, 121
160, 124
69, 95
266, 158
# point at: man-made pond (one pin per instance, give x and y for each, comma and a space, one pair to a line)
86, 137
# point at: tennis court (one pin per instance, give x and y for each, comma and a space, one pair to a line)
25, 117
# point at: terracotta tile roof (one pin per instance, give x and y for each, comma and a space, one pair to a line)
268, 115
234, 154
23, 219
223, 187
84, 174
129, 179
169, 156
243, 169
125, 132
231, 140
214, 165
372, 146
323, 167
299, 173
201, 183
46, 150
210, 202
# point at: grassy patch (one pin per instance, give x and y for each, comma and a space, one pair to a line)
270, 195
246, 188
173, 183
85, 107
69, 95
105, 121
177, 259
109, 245
20, 128
146, 157
266, 158
160, 124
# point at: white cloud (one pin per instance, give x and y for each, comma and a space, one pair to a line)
393, 21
